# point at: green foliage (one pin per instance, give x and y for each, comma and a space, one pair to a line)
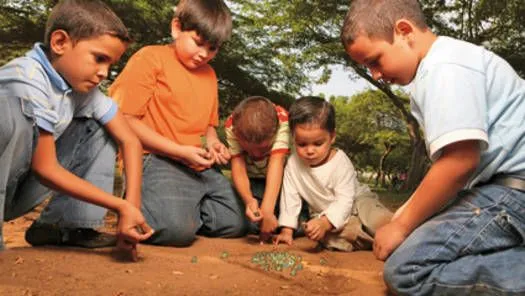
277, 46
367, 124
497, 25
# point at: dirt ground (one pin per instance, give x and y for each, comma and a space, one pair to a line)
209, 267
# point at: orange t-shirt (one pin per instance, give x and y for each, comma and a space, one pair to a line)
175, 102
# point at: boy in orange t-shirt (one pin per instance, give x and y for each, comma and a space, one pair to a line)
169, 96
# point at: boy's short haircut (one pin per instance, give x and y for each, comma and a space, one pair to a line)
312, 110
377, 18
211, 19
84, 19
255, 120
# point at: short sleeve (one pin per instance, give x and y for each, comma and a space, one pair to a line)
453, 106
98, 106
231, 139
135, 85
25, 78
281, 143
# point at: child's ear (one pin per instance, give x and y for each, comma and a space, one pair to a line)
332, 135
176, 28
404, 27
59, 42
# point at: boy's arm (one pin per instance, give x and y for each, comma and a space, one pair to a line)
53, 175
242, 185
446, 177
158, 144
131, 154
274, 179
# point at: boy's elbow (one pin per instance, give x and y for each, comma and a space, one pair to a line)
44, 171
132, 143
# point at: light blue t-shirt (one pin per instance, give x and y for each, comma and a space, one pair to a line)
54, 102
464, 92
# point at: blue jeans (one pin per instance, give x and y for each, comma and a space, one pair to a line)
180, 203
84, 148
474, 246
257, 187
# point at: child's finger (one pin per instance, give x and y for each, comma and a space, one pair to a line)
206, 161
145, 231
221, 159
225, 153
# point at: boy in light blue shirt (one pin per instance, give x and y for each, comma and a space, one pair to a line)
56, 122
462, 230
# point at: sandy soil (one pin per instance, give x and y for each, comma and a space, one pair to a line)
209, 267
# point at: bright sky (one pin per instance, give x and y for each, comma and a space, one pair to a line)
340, 84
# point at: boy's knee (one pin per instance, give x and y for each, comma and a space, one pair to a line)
390, 275
174, 236
239, 229
403, 276
232, 230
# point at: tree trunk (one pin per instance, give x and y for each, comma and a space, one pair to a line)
380, 171
419, 160
419, 165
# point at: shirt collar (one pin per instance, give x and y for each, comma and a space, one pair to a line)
38, 54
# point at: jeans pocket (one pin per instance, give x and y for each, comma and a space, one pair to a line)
501, 232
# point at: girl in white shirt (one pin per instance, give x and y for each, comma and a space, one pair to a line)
344, 213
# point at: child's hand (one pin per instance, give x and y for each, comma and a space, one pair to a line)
388, 238
195, 156
286, 236
219, 153
253, 212
132, 228
316, 228
269, 223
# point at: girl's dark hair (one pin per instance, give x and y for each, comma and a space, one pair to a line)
312, 110
211, 19
84, 19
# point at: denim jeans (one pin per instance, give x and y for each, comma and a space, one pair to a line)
257, 187
84, 148
180, 203
474, 246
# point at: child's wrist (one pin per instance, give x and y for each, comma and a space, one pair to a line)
287, 231
250, 201
326, 223
122, 205
265, 208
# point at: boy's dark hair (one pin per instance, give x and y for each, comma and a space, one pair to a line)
255, 120
211, 19
312, 110
84, 19
377, 18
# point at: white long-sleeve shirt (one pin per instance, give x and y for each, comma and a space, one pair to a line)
328, 189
